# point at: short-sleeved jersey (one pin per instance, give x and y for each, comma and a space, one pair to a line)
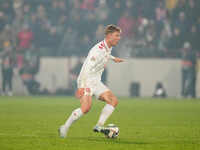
94, 64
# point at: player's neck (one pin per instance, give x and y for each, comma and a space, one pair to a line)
108, 43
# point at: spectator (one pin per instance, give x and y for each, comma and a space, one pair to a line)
48, 24
130, 6
188, 71
68, 44
7, 69
193, 38
171, 4
161, 14
53, 41
85, 42
2, 20
175, 42
160, 91
42, 14
7, 35
191, 12
102, 12
164, 37
54, 11
117, 9
88, 5
182, 24
27, 13
27, 74
25, 38
180, 7
151, 35
6, 13
33, 58
99, 32
127, 24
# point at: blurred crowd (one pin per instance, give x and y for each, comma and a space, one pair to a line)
153, 28
30, 29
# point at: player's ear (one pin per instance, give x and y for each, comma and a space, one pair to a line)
108, 35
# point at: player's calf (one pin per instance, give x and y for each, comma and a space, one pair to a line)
85, 109
86, 102
114, 101
109, 98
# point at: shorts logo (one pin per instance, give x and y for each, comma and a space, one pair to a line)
87, 90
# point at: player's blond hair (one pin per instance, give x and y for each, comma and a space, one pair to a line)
112, 28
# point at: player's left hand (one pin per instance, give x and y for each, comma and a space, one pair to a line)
118, 60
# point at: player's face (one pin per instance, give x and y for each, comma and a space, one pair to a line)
114, 38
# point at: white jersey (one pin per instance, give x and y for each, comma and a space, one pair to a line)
94, 64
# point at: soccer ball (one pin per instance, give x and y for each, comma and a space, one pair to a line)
113, 131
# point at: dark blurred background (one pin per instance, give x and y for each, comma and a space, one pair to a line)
70, 27
32, 29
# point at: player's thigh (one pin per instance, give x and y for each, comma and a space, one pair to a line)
100, 89
109, 98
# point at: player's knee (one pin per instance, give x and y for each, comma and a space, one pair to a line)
112, 100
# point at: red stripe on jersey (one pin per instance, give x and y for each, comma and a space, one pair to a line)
102, 44
100, 47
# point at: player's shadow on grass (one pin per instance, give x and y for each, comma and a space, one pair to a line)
108, 141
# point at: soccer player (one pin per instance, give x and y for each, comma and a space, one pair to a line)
89, 81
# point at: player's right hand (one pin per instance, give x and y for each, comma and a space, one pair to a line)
118, 60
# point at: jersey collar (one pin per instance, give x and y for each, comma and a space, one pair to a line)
106, 46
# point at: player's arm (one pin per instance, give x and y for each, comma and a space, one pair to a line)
116, 59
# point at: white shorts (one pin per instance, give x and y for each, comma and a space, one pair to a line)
96, 88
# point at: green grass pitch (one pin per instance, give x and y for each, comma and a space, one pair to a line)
31, 123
